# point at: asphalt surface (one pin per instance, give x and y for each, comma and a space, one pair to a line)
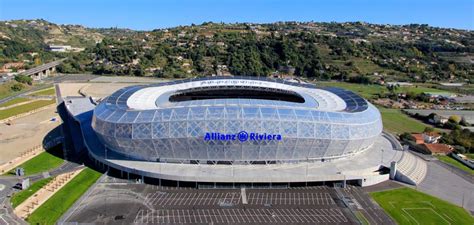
115, 201
461, 173
364, 204
6, 212
448, 185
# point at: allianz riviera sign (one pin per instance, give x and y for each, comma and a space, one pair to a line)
241, 136
232, 82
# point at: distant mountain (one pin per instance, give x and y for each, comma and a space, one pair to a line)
42, 32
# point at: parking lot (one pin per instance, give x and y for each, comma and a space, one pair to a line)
290, 198
114, 202
193, 199
241, 216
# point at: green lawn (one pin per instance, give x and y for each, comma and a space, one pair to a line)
396, 122
44, 92
59, 203
6, 91
43, 162
14, 101
454, 162
24, 108
370, 91
21, 196
408, 206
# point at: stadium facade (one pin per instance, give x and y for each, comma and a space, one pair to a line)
201, 121
237, 130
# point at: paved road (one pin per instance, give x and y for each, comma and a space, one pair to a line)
461, 173
64, 168
6, 212
447, 185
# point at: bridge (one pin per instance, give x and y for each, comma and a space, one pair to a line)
43, 71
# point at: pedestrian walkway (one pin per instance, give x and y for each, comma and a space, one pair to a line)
41, 196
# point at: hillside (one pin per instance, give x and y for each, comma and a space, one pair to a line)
357, 52
41, 32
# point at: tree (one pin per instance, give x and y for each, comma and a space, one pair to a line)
24, 79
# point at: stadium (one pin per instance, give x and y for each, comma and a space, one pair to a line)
241, 130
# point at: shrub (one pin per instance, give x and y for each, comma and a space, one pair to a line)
406, 137
17, 87
454, 119
428, 129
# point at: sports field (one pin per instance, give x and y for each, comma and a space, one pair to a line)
408, 206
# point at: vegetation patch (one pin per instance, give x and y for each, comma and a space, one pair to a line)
59, 203
24, 108
44, 161
45, 92
397, 122
455, 163
21, 196
12, 87
408, 206
14, 101
371, 91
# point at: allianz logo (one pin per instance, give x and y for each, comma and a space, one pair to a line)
241, 136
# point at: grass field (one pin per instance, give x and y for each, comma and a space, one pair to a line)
24, 108
14, 101
45, 92
59, 203
370, 91
397, 122
43, 162
470, 155
408, 206
21, 196
6, 91
454, 162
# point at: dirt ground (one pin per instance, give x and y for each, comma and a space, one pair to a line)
98, 90
26, 132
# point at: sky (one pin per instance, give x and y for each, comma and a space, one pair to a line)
153, 14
